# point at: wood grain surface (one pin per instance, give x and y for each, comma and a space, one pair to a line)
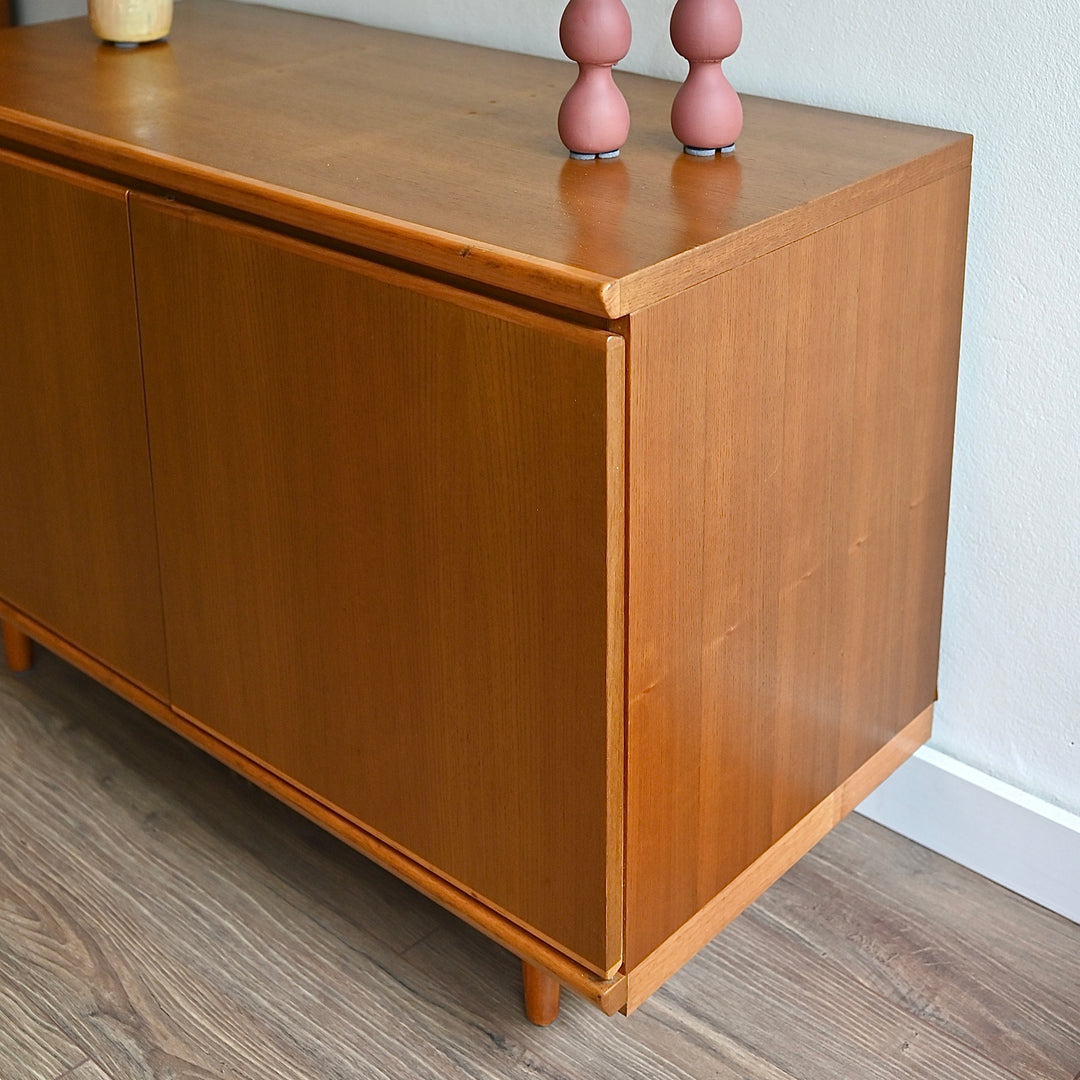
711, 919
391, 537
76, 509
161, 918
608, 994
88, 1070
455, 165
789, 455
408, 582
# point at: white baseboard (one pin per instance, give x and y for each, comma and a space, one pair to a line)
1015, 839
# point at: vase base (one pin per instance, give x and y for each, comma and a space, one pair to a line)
133, 44
708, 151
607, 155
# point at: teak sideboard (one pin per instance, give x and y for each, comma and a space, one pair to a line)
567, 536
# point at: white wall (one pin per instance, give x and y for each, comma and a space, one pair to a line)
1010, 74
34, 11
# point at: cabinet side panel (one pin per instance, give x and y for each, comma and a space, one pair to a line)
789, 455
77, 543
385, 528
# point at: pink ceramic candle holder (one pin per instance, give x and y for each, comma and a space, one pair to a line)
594, 118
706, 115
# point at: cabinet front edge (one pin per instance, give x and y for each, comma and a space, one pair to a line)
607, 991
654, 284
470, 260
578, 290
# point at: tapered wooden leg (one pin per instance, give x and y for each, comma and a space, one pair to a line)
541, 994
18, 648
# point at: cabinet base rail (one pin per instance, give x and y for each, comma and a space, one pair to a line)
608, 994
544, 969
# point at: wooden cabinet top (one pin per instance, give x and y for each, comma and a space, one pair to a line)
444, 155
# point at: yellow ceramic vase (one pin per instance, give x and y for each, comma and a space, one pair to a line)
131, 22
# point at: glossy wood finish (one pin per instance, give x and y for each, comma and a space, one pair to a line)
609, 995
789, 449
541, 993
18, 649
526, 523
77, 543
388, 557
455, 166
694, 934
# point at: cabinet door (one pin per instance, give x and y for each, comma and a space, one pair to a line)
391, 541
77, 549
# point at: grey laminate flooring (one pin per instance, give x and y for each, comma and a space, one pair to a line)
160, 917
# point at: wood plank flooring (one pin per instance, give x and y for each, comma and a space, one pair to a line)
160, 917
